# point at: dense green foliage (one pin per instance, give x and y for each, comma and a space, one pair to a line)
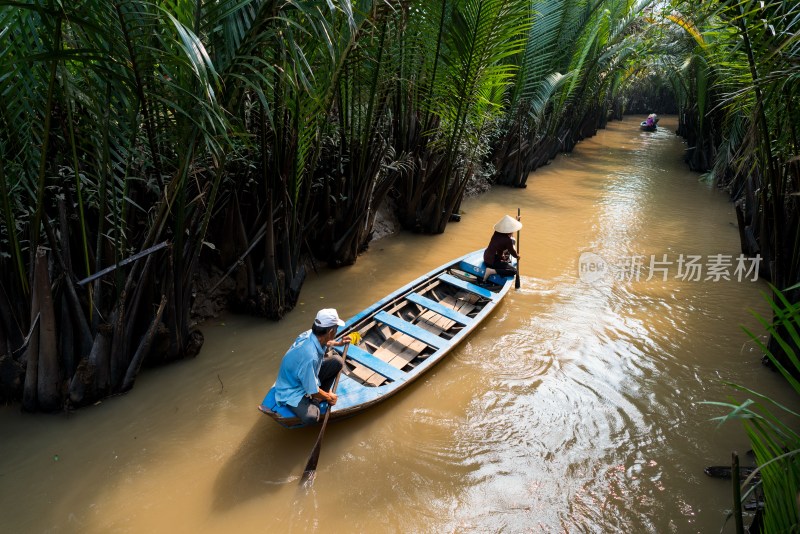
254, 135
113, 139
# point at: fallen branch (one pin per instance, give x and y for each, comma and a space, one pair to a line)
124, 262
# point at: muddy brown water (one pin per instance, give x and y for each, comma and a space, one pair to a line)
575, 408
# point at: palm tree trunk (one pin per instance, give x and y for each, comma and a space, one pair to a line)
119, 350
66, 344
144, 348
49, 369
31, 356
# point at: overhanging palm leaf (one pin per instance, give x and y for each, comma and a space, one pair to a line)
772, 426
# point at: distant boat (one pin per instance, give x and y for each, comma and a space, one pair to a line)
406, 333
649, 127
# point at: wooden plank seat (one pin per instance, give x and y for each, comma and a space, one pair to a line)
410, 329
399, 349
370, 361
463, 302
472, 288
364, 374
439, 308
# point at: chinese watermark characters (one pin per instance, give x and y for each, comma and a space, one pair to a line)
662, 267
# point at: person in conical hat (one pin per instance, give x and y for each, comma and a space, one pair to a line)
507, 225
501, 247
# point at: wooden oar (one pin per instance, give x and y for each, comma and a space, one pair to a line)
517, 283
311, 466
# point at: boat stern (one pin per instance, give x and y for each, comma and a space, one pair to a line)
473, 264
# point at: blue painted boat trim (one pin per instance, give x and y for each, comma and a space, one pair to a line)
472, 288
412, 330
473, 264
368, 360
439, 308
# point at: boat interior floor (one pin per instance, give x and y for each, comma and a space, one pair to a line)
401, 350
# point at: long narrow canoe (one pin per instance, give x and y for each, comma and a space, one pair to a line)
406, 333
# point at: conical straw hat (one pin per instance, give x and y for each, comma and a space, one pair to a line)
507, 225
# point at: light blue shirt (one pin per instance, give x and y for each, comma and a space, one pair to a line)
298, 375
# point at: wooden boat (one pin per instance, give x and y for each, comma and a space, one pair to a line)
406, 333
649, 127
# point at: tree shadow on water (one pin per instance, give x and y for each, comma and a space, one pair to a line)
268, 458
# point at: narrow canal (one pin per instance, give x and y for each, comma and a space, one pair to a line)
575, 408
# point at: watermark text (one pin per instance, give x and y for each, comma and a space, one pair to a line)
662, 267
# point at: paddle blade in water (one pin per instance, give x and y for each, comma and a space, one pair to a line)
313, 459
308, 477
311, 466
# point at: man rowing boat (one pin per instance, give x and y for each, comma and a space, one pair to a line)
306, 373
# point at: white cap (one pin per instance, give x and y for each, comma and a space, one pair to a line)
328, 317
